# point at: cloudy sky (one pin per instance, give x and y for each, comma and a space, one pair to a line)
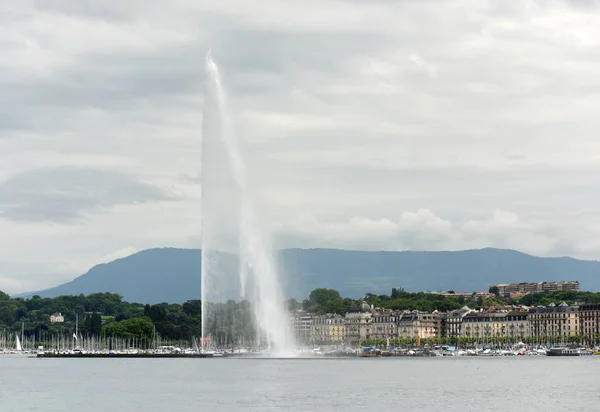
423, 125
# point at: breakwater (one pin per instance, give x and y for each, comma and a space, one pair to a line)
125, 355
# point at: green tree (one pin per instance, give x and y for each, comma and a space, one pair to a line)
95, 324
158, 313
193, 307
397, 293
323, 301
495, 290
130, 328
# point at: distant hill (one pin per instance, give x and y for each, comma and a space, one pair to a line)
173, 275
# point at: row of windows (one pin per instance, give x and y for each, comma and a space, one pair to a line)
325, 322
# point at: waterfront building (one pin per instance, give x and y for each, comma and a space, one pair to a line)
57, 318
437, 322
484, 326
301, 325
384, 324
328, 329
589, 322
495, 323
554, 321
517, 325
451, 322
520, 289
507, 308
416, 324
358, 323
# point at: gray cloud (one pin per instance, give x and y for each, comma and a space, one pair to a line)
584, 3
381, 124
66, 194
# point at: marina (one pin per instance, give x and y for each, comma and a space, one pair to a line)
137, 355
306, 353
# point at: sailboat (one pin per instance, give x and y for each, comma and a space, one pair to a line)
18, 345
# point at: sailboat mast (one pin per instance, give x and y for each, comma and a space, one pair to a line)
76, 330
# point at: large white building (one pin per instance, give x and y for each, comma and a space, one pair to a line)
416, 324
359, 323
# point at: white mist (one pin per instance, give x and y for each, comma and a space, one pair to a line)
230, 225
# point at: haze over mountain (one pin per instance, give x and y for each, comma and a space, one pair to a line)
173, 275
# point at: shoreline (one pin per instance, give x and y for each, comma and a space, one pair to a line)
124, 355
250, 356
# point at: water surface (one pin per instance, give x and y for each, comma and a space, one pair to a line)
404, 384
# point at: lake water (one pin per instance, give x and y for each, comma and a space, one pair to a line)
512, 384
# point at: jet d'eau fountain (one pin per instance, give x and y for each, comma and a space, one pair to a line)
237, 260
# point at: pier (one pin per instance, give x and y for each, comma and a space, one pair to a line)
124, 355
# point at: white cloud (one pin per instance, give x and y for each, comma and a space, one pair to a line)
424, 230
418, 60
375, 125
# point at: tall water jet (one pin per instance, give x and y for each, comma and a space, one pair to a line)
237, 260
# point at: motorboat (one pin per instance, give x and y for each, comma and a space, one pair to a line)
563, 351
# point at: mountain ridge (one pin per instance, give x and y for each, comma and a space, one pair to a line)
174, 275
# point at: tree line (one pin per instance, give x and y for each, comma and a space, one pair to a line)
100, 314
322, 301
106, 314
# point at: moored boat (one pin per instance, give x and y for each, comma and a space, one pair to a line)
562, 351
369, 351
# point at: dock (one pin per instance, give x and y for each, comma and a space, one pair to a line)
125, 355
